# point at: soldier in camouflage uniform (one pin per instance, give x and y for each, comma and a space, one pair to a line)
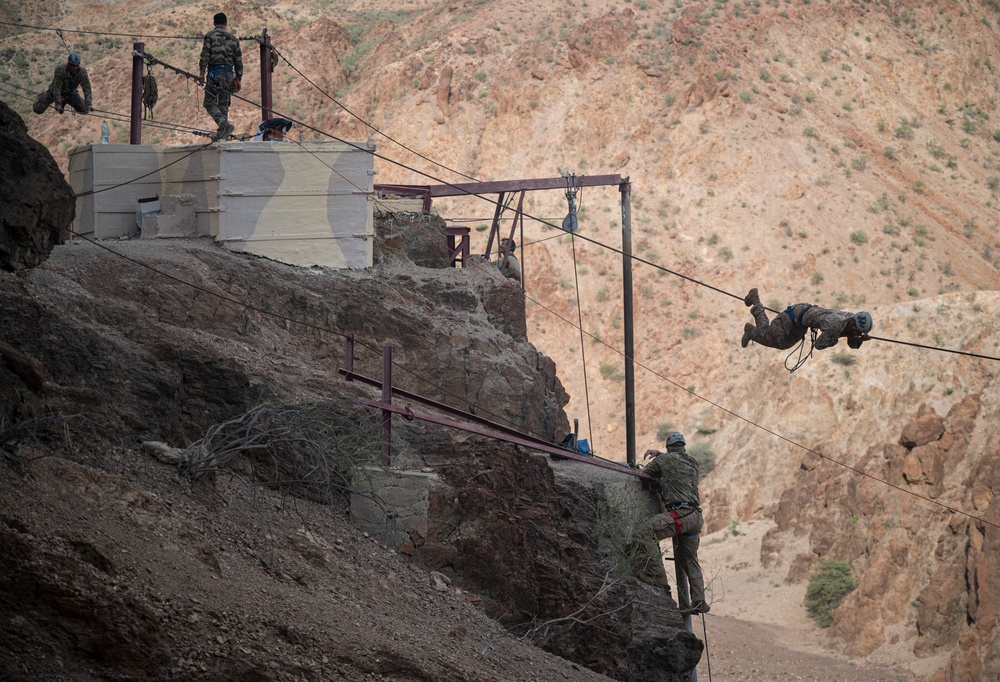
222, 58
67, 78
677, 474
790, 327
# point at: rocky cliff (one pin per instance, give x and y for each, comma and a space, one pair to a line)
107, 346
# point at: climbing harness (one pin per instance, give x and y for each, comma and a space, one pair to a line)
149, 92
677, 517
790, 311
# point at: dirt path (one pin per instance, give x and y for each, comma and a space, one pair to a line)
759, 630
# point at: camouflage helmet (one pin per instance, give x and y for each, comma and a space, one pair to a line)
675, 438
74, 59
863, 321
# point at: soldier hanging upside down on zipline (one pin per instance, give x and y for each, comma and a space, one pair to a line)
789, 327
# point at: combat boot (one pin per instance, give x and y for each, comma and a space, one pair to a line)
752, 299
225, 130
748, 330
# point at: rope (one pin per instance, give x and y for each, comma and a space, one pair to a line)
97, 33
938, 348
801, 347
583, 347
369, 125
708, 657
654, 265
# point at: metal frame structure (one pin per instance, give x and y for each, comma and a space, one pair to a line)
138, 50
505, 189
488, 429
478, 425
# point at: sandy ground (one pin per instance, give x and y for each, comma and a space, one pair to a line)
758, 628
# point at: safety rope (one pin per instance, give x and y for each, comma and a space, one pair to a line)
708, 657
572, 229
800, 347
583, 346
557, 315
369, 125
150, 93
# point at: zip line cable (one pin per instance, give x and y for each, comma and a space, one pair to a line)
369, 125
97, 33
414, 170
682, 276
773, 432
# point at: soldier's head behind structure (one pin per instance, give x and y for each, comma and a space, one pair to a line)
220, 19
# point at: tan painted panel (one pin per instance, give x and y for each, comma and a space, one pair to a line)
302, 204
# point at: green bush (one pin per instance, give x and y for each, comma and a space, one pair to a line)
846, 359
827, 587
858, 237
663, 430
702, 453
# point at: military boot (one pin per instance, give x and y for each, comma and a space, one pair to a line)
225, 130
748, 330
752, 299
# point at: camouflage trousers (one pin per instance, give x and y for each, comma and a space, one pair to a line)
45, 100
218, 89
662, 526
779, 333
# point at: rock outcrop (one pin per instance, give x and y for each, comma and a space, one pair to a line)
37, 205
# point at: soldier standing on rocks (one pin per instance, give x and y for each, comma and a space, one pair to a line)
67, 78
677, 474
789, 327
222, 58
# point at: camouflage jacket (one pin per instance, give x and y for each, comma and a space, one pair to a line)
677, 474
830, 323
64, 83
221, 48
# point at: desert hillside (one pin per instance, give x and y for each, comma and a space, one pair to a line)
840, 153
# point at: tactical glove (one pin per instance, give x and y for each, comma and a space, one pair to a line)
236, 85
59, 108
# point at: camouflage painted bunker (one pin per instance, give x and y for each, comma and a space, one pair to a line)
302, 204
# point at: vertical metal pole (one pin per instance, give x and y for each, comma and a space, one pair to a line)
520, 240
135, 124
387, 399
683, 593
495, 225
265, 77
349, 354
626, 191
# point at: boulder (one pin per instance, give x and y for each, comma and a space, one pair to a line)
37, 205
922, 430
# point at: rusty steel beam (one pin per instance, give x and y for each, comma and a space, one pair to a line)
135, 114
408, 413
350, 375
461, 189
266, 93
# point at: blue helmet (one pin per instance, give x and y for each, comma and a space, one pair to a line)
675, 438
74, 59
864, 322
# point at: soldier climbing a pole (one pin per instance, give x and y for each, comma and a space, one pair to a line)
222, 59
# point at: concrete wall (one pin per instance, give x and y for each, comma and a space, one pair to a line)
389, 503
302, 204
